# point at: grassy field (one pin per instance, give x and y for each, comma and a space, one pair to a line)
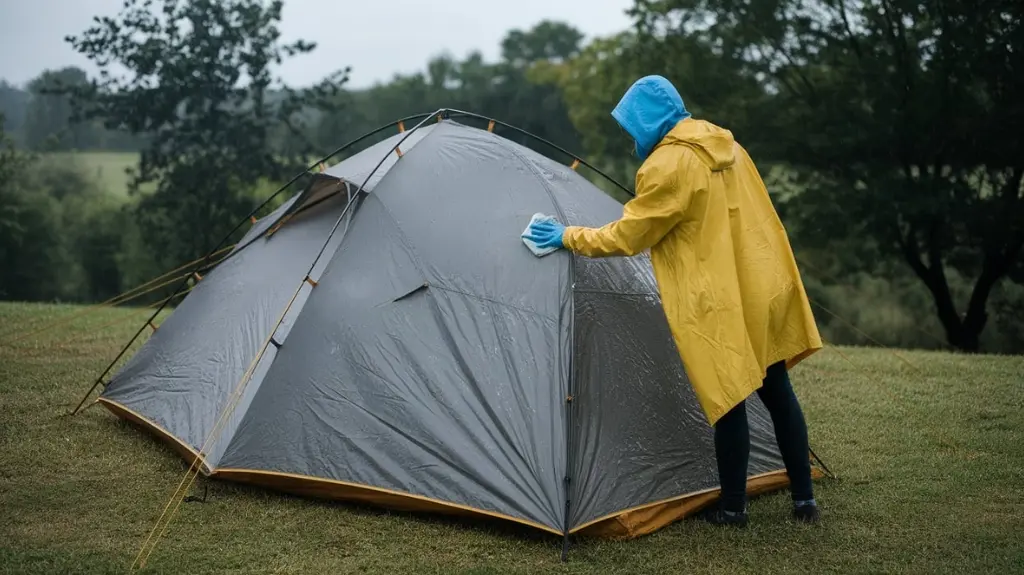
107, 169
929, 458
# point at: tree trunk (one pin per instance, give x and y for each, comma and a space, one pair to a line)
963, 332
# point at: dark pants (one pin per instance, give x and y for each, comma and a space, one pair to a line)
732, 441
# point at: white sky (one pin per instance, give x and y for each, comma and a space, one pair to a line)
377, 38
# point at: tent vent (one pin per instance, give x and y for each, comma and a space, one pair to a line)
418, 289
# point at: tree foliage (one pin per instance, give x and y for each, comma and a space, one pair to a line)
199, 83
885, 129
903, 114
13, 106
509, 90
22, 221
52, 246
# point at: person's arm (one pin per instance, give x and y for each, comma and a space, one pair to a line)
662, 196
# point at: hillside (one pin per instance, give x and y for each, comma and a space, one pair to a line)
927, 452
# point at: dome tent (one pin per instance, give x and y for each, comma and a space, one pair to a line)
384, 336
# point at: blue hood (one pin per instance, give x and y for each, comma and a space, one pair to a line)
648, 110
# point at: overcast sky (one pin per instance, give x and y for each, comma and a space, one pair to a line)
377, 38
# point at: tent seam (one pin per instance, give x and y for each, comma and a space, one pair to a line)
570, 387
417, 261
348, 212
495, 302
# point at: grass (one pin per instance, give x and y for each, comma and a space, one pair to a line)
107, 169
929, 457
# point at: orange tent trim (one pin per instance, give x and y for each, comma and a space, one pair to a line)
624, 524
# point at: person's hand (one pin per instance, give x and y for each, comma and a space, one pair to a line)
546, 234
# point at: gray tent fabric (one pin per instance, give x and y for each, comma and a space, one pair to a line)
639, 432
429, 356
361, 169
182, 377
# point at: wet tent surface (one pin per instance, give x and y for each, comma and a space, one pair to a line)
639, 434
451, 391
182, 377
435, 355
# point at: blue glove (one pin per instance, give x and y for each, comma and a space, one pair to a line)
546, 234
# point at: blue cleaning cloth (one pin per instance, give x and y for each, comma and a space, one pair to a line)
537, 251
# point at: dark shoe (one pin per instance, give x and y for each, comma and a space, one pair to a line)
806, 513
718, 516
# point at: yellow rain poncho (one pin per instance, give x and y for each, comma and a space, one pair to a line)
726, 273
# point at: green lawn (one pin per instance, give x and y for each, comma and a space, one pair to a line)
930, 460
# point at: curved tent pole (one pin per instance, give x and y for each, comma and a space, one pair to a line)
544, 141
203, 261
362, 186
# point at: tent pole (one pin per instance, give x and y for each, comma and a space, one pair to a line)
569, 397
227, 237
361, 187
457, 113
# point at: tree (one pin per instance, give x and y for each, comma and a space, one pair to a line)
906, 115
547, 40
591, 84
517, 89
52, 124
711, 84
525, 91
13, 106
199, 83
48, 117
28, 228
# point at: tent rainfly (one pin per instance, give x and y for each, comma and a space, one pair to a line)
399, 345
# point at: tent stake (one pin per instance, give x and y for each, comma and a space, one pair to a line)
821, 463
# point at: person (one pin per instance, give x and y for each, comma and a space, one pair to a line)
728, 280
